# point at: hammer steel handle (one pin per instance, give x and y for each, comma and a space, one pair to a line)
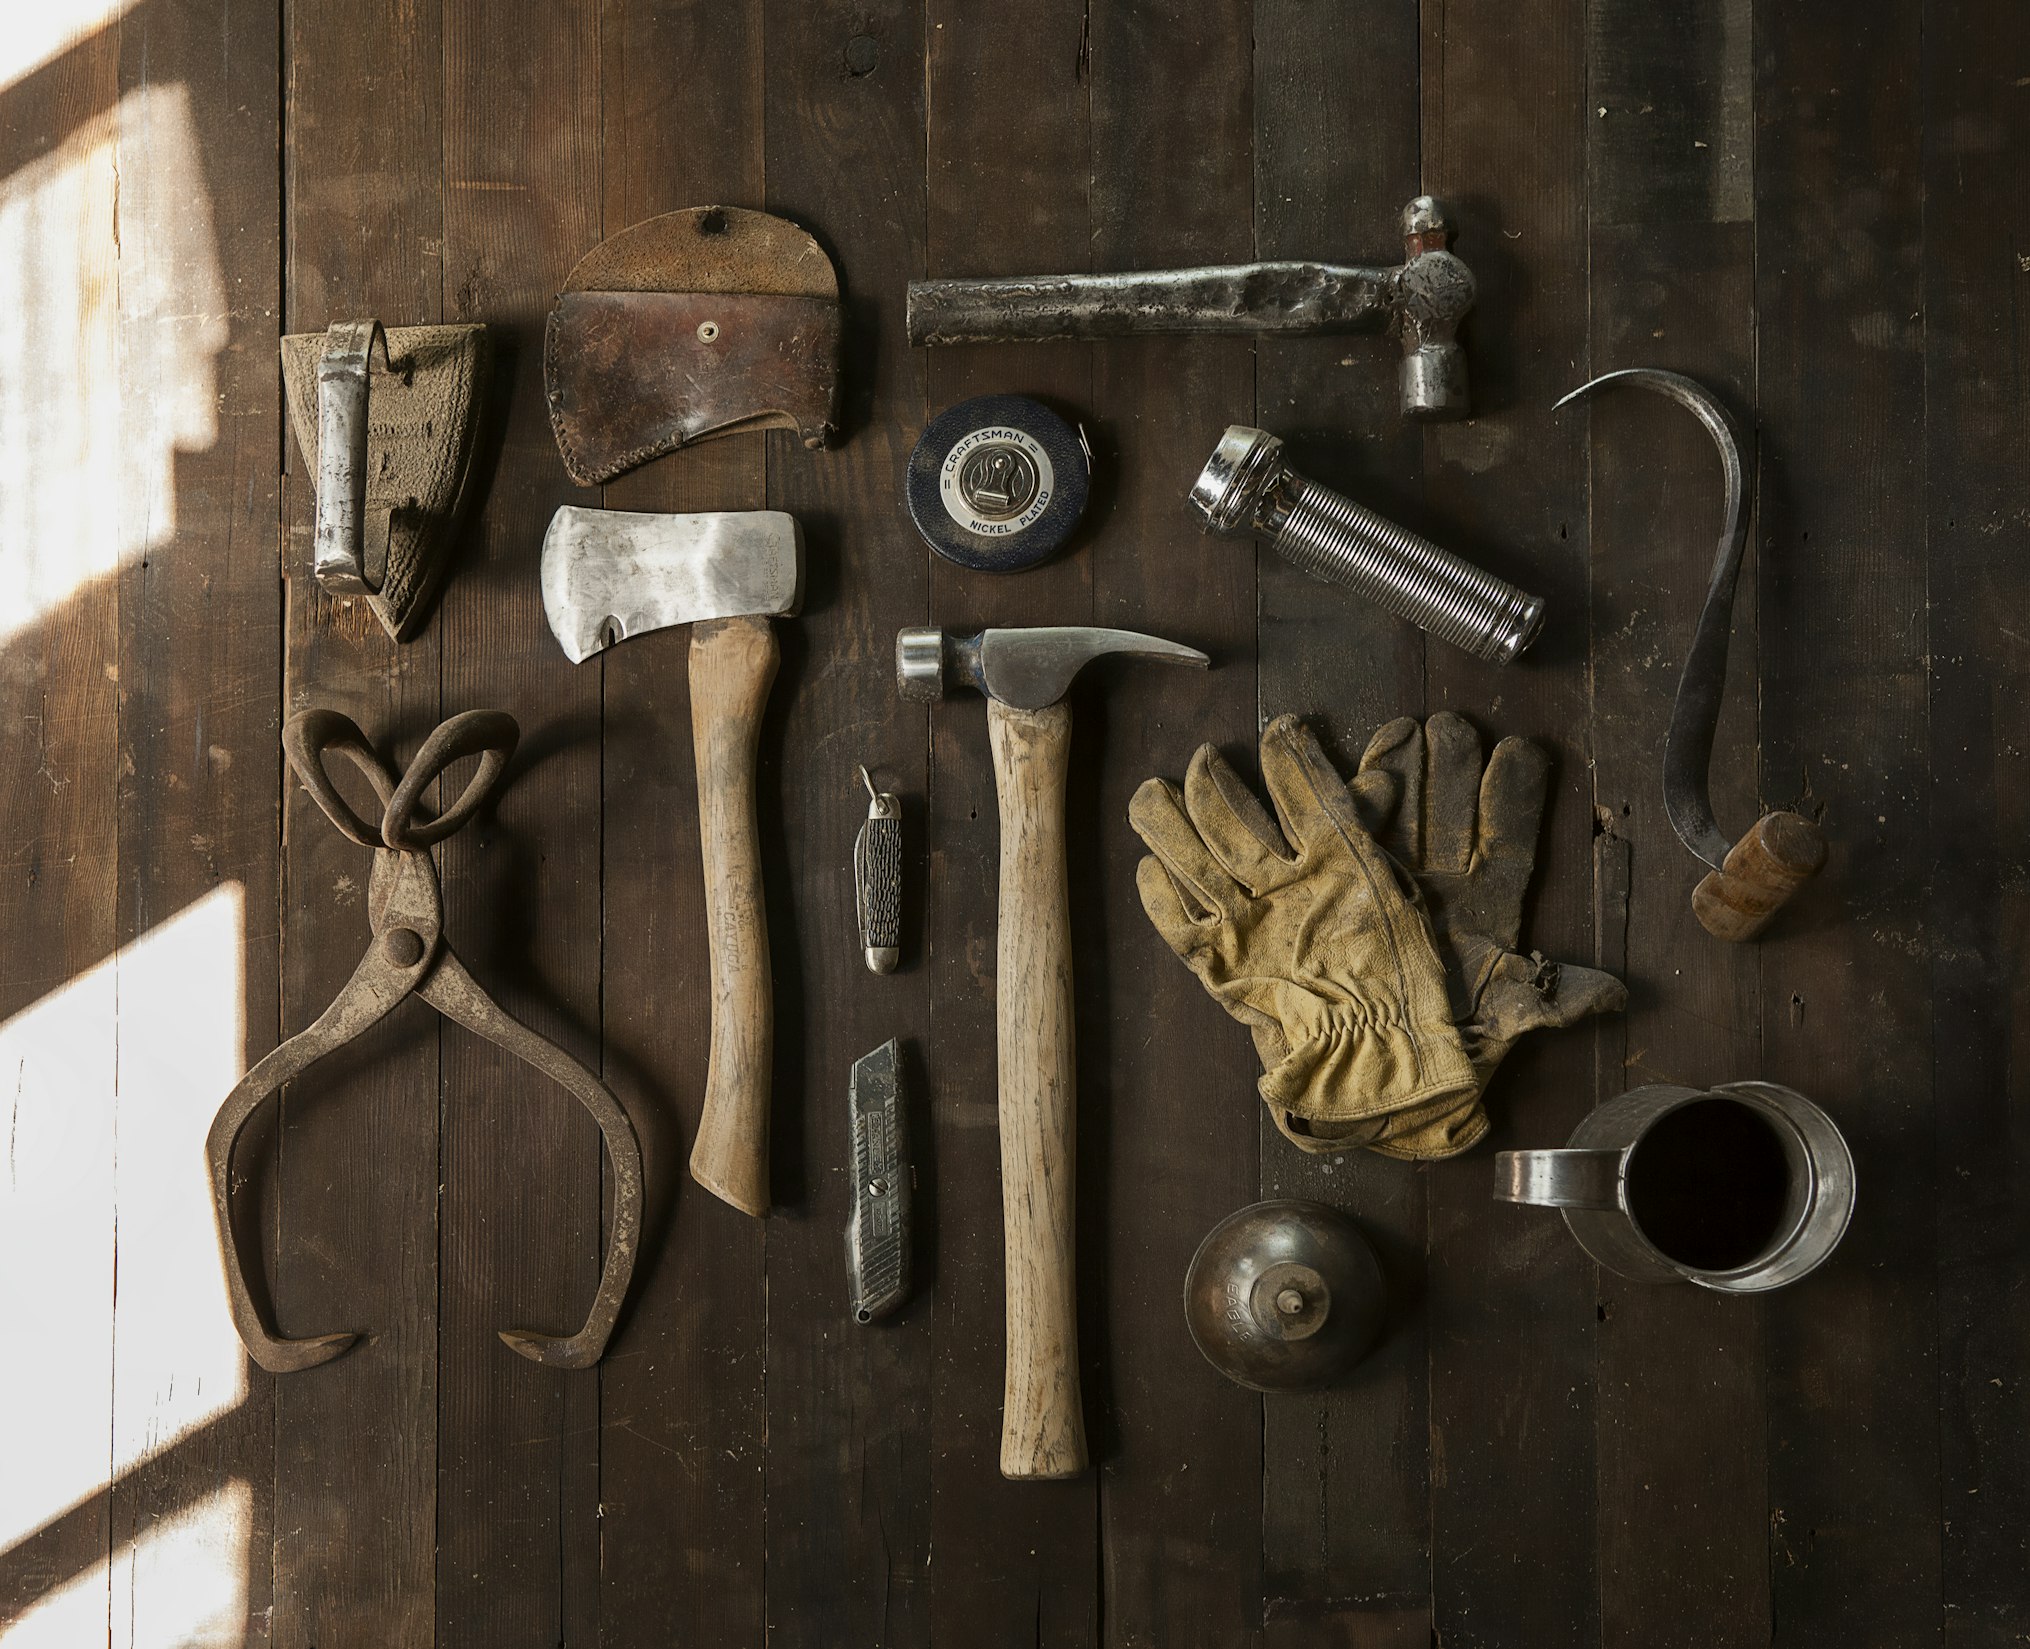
1042, 1423
1293, 299
733, 661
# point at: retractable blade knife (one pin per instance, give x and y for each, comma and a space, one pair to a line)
877, 1238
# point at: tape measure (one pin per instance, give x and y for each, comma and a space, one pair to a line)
998, 483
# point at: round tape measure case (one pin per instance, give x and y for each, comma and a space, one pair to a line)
998, 483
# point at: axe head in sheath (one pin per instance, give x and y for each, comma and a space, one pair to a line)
709, 321
611, 574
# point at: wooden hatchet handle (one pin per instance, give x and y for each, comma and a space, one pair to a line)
733, 661
1042, 1425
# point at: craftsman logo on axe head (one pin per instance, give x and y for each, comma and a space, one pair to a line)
611, 574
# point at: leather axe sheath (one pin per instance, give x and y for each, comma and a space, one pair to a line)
709, 321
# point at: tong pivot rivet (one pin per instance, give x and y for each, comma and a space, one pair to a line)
402, 946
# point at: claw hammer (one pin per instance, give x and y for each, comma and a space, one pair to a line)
1024, 674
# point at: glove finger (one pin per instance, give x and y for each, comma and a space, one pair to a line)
1451, 793
1185, 931
1396, 752
1233, 824
1157, 813
1374, 800
1512, 793
1582, 992
1312, 800
1526, 993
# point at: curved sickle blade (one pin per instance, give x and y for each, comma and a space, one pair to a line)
1029, 668
1688, 746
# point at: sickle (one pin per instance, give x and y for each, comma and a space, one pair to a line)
1753, 878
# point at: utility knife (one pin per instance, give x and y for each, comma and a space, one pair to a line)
877, 1239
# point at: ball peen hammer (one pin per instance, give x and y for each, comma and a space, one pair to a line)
1024, 674
1424, 298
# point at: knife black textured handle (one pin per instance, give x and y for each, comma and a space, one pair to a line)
877, 883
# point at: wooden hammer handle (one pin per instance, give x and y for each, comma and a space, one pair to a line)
1761, 872
1042, 1425
733, 661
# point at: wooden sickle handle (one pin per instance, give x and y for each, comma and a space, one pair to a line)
1042, 1424
733, 660
1761, 872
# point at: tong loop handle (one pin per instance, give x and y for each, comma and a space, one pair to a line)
307, 737
490, 735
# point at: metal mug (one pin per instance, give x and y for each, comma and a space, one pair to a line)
1646, 1155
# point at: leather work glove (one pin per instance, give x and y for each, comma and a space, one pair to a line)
1469, 836
1309, 935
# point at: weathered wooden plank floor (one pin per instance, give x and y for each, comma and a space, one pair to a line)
1814, 207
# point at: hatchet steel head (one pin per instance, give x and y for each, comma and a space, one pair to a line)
1024, 668
611, 574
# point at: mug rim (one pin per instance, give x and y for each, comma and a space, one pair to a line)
1828, 1164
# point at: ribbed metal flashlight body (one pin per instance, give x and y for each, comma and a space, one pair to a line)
1246, 488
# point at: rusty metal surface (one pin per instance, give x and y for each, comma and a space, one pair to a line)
1289, 298
1423, 299
408, 956
700, 323
393, 489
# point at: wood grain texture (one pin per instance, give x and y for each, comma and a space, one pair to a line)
199, 664
733, 663
1510, 1299
60, 892
1813, 208
356, 1510
1681, 1457
522, 1165
1852, 1371
1180, 1448
682, 1537
848, 1532
1777, 855
1976, 347
1017, 1563
1042, 1417
1346, 1496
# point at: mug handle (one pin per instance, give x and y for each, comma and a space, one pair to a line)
1568, 1178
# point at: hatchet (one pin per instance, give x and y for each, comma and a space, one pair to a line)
611, 574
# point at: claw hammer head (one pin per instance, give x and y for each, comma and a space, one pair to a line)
1024, 669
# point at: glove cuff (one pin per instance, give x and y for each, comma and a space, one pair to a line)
1431, 1135
1348, 1066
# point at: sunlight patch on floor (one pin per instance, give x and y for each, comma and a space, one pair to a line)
181, 1585
39, 30
107, 1087
115, 311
